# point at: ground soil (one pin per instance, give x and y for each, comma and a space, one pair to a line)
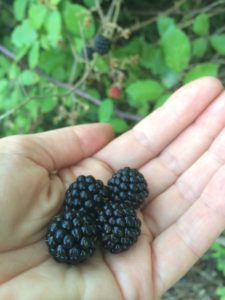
200, 283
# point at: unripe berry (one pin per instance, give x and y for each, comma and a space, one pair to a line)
115, 92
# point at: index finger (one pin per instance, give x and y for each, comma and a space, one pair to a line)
151, 135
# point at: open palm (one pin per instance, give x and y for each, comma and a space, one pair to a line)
180, 150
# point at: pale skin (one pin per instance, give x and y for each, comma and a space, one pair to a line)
180, 149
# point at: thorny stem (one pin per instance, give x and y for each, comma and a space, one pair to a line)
70, 89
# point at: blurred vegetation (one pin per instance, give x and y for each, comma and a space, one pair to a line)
46, 82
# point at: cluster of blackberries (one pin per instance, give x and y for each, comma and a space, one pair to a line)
101, 45
94, 212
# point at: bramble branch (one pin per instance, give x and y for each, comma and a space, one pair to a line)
69, 87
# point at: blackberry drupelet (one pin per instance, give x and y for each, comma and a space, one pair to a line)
102, 44
71, 238
86, 194
129, 186
87, 53
118, 227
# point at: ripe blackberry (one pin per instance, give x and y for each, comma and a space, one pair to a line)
86, 194
87, 53
71, 238
102, 44
129, 186
118, 227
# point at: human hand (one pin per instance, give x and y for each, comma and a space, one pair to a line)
180, 150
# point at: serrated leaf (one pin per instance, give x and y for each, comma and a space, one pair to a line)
79, 21
218, 43
105, 110
33, 56
199, 47
19, 8
142, 91
53, 26
119, 125
205, 69
201, 24
176, 48
24, 34
37, 14
28, 77
164, 23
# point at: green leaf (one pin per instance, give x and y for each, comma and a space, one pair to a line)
205, 69
24, 34
14, 72
28, 77
199, 47
221, 293
119, 125
33, 56
4, 63
54, 2
152, 57
176, 48
90, 3
134, 46
79, 21
37, 14
162, 100
101, 65
218, 43
21, 52
3, 85
105, 110
164, 23
142, 91
170, 78
53, 26
201, 24
143, 109
19, 8
47, 105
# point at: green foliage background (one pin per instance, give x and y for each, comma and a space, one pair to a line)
158, 45
45, 82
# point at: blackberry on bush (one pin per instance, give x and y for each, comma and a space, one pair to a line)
86, 194
118, 227
102, 44
128, 186
71, 238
